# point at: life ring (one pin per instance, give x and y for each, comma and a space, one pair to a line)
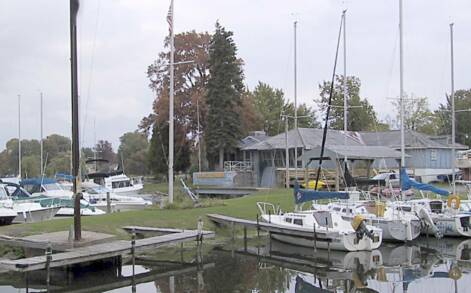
454, 272
454, 199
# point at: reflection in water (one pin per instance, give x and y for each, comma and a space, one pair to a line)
429, 265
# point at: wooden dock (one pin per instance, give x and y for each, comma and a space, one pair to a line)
99, 251
268, 227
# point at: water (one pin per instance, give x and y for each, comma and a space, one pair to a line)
428, 265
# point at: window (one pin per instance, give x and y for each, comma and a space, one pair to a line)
288, 220
298, 222
433, 155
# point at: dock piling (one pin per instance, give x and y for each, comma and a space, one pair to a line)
315, 238
245, 238
108, 203
48, 262
258, 227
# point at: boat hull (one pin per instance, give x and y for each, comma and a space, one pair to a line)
451, 226
69, 212
342, 243
37, 215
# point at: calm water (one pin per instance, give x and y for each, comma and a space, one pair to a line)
426, 266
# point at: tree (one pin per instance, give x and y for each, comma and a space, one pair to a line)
417, 115
224, 90
270, 104
55, 144
462, 117
133, 151
104, 150
361, 115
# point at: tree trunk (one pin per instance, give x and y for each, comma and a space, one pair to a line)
221, 159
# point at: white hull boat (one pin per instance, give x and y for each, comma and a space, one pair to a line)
30, 212
396, 224
7, 215
329, 230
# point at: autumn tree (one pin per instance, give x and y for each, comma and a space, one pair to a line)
361, 115
104, 150
190, 81
224, 91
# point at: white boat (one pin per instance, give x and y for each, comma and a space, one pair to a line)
99, 172
27, 211
396, 224
331, 231
48, 192
448, 221
96, 195
7, 214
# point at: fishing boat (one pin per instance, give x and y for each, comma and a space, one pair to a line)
97, 196
27, 211
396, 224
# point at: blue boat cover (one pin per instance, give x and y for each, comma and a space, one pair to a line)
64, 176
407, 183
303, 195
37, 181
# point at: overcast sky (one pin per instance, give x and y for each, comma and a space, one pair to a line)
119, 38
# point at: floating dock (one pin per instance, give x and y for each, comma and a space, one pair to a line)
99, 251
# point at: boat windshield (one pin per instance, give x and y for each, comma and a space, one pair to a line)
52, 187
3, 193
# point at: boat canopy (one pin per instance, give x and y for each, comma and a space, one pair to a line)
37, 181
303, 195
407, 183
64, 176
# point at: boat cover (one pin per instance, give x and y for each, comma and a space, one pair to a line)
303, 195
407, 183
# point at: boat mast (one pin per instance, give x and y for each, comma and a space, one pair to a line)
171, 115
401, 86
19, 137
41, 141
199, 134
345, 93
296, 101
453, 122
74, 7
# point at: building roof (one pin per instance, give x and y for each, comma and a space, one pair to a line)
352, 153
413, 140
307, 138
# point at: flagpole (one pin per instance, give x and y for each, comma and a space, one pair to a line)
171, 114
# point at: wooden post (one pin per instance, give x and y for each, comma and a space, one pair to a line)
108, 203
258, 228
48, 264
245, 238
315, 238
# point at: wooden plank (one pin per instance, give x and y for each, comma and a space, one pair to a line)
99, 251
272, 228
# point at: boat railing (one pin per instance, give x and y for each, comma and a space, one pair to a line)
267, 208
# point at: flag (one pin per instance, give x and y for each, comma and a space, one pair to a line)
170, 18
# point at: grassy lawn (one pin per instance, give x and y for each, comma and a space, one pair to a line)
244, 207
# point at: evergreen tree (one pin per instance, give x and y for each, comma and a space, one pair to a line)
223, 98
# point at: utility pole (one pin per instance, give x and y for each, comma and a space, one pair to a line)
74, 7
41, 141
171, 114
453, 121
19, 137
199, 134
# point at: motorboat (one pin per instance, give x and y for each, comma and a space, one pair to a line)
329, 230
115, 180
396, 224
96, 195
48, 192
7, 214
27, 211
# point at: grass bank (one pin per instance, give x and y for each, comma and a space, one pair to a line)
244, 207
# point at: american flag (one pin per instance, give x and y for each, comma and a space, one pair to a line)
170, 17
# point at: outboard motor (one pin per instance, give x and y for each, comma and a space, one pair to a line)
425, 218
358, 224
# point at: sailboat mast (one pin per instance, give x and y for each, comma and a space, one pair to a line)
74, 7
453, 121
295, 101
401, 86
345, 94
41, 141
19, 137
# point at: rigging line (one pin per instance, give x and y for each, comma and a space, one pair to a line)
324, 135
92, 65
